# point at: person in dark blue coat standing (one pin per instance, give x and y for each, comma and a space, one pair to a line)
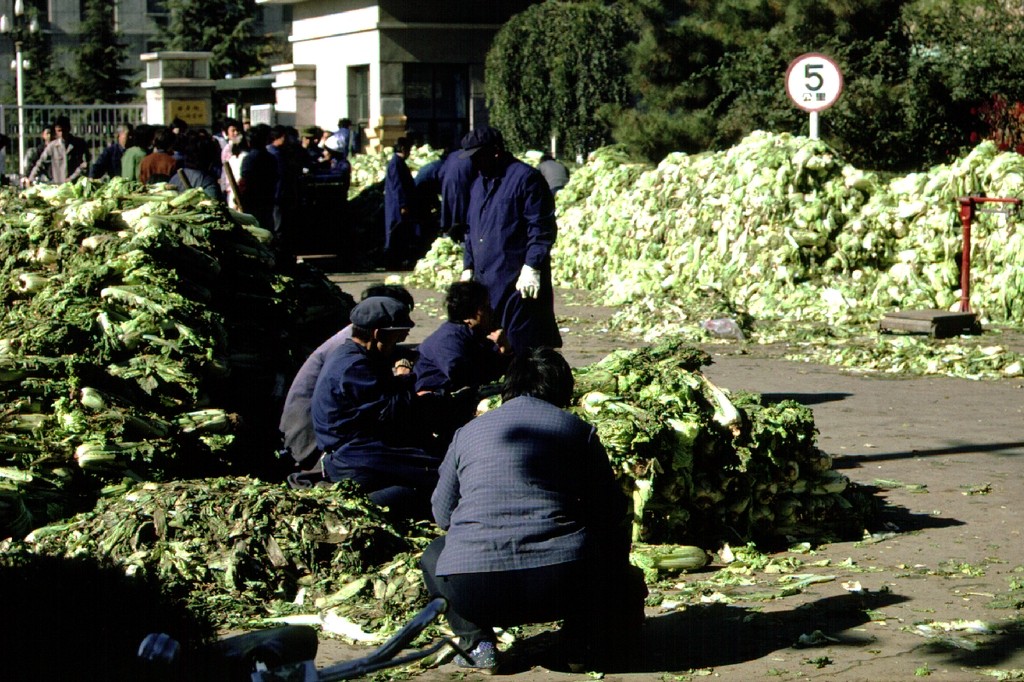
512, 228
399, 206
457, 177
257, 183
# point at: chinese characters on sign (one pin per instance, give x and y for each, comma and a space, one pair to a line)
192, 111
813, 82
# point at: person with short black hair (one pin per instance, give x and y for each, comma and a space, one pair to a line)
160, 164
344, 136
538, 528
399, 207
33, 155
234, 141
457, 176
67, 155
139, 141
257, 181
281, 149
201, 154
467, 350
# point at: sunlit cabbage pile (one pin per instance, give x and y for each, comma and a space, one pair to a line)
369, 168
142, 339
705, 467
362, 220
781, 235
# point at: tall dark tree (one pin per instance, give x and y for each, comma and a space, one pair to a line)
552, 68
226, 28
99, 74
967, 55
706, 73
703, 74
43, 79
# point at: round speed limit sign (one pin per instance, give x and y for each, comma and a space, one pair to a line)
813, 82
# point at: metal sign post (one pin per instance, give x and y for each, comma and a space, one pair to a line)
814, 83
945, 323
968, 209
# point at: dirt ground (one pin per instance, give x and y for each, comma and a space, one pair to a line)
935, 593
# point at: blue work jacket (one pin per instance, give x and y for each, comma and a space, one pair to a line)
454, 357
365, 421
511, 222
456, 181
399, 190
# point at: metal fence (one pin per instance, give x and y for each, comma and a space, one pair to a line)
96, 123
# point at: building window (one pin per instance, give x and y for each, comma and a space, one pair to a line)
437, 102
156, 7
359, 94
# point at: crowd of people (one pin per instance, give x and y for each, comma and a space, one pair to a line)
535, 522
260, 170
255, 169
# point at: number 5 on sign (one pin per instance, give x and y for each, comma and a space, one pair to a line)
814, 83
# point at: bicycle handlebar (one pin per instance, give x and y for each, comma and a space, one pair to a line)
382, 657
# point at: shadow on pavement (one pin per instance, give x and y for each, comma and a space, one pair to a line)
714, 635
854, 461
991, 650
896, 518
805, 398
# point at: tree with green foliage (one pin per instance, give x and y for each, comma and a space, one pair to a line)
44, 81
551, 69
99, 74
227, 29
969, 68
705, 74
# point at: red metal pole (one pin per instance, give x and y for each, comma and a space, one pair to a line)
966, 215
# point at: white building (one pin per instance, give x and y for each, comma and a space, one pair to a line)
390, 66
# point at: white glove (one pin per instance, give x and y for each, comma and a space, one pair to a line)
528, 283
467, 276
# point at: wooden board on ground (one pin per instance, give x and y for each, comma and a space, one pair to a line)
938, 323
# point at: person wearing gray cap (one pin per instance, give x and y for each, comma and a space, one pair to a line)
370, 423
297, 437
511, 221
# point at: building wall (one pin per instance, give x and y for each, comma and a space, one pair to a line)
336, 35
334, 42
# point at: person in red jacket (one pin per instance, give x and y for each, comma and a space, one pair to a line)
160, 164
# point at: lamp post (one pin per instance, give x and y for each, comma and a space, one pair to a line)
17, 30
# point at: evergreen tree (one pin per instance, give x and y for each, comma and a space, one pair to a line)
100, 75
227, 29
550, 71
706, 74
42, 79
